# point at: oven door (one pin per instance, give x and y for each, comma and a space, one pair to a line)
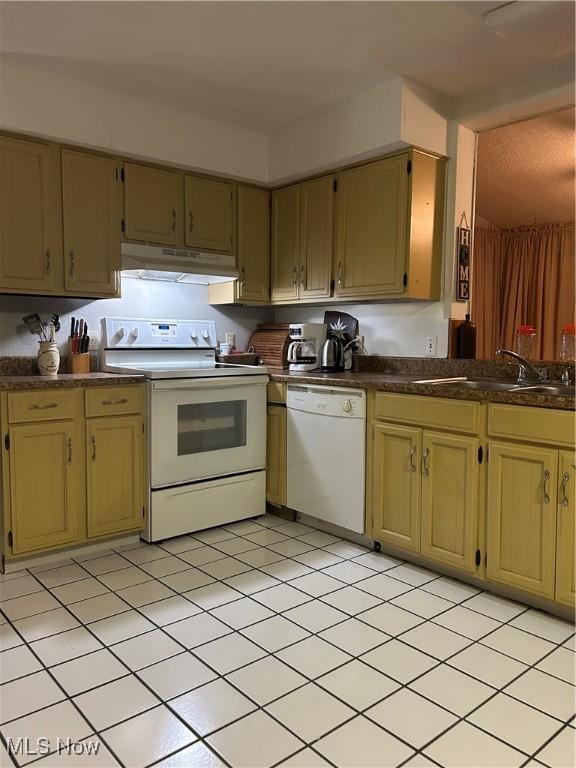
204, 428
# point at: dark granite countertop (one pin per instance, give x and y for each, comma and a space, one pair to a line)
405, 383
66, 380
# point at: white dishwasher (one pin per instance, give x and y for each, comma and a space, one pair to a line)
326, 453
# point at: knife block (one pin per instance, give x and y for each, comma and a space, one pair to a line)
79, 363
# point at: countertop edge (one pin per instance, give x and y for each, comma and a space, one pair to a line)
67, 381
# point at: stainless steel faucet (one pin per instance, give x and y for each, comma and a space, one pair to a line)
525, 367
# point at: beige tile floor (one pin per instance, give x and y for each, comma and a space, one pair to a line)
266, 643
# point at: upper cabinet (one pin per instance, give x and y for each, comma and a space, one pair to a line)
91, 205
389, 223
30, 244
153, 201
252, 251
209, 214
302, 226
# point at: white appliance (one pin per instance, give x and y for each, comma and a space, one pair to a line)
186, 265
206, 423
326, 454
306, 344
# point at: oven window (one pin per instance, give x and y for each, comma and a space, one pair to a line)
206, 427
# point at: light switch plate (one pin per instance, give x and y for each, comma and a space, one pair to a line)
431, 345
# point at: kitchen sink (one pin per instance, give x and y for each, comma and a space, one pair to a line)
499, 386
568, 390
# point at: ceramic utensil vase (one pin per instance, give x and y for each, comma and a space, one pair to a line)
48, 358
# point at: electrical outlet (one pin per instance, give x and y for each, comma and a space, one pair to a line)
431, 346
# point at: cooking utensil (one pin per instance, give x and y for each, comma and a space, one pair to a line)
35, 325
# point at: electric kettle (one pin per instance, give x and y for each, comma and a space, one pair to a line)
333, 354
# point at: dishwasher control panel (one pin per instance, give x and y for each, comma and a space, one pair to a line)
327, 401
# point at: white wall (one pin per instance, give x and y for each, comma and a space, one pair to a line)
45, 103
140, 298
395, 329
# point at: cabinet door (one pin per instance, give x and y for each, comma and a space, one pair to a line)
285, 243
450, 499
316, 236
371, 229
45, 472
209, 214
276, 455
566, 531
253, 244
153, 199
396, 485
521, 516
115, 464
30, 255
91, 211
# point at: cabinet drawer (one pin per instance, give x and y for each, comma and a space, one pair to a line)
106, 401
455, 415
539, 425
43, 405
276, 392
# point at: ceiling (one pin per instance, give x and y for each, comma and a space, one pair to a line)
525, 172
266, 64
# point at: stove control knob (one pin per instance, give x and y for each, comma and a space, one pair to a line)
194, 334
206, 335
347, 406
120, 334
134, 334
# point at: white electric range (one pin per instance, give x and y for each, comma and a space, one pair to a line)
206, 423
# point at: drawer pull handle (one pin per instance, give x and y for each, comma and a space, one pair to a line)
93, 441
425, 461
120, 401
36, 407
564, 498
69, 448
545, 483
412, 455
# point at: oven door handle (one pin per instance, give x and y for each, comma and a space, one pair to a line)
224, 382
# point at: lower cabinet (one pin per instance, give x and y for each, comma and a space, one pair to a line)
566, 530
68, 473
276, 455
450, 499
114, 474
45, 483
397, 485
425, 492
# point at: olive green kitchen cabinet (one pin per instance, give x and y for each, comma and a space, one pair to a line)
566, 530
302, 239
72, 467
424, 477
389, 222
153, 204
114, 466
209, 214
252, 251
30, 217
92, 234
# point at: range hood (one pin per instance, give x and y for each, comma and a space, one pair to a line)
177, 264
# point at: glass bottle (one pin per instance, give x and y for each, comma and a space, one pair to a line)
526, 341
568, 346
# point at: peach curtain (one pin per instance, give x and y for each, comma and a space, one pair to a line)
524, 276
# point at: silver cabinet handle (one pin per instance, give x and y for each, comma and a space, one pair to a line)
173, 219
564, 498
243, 278
35, 407
71, 264
302, 275
69, 449
191, 215
545, 482
412, 455
120, 401
48, 262
294, 277
340, 273
93, 442
425, 457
